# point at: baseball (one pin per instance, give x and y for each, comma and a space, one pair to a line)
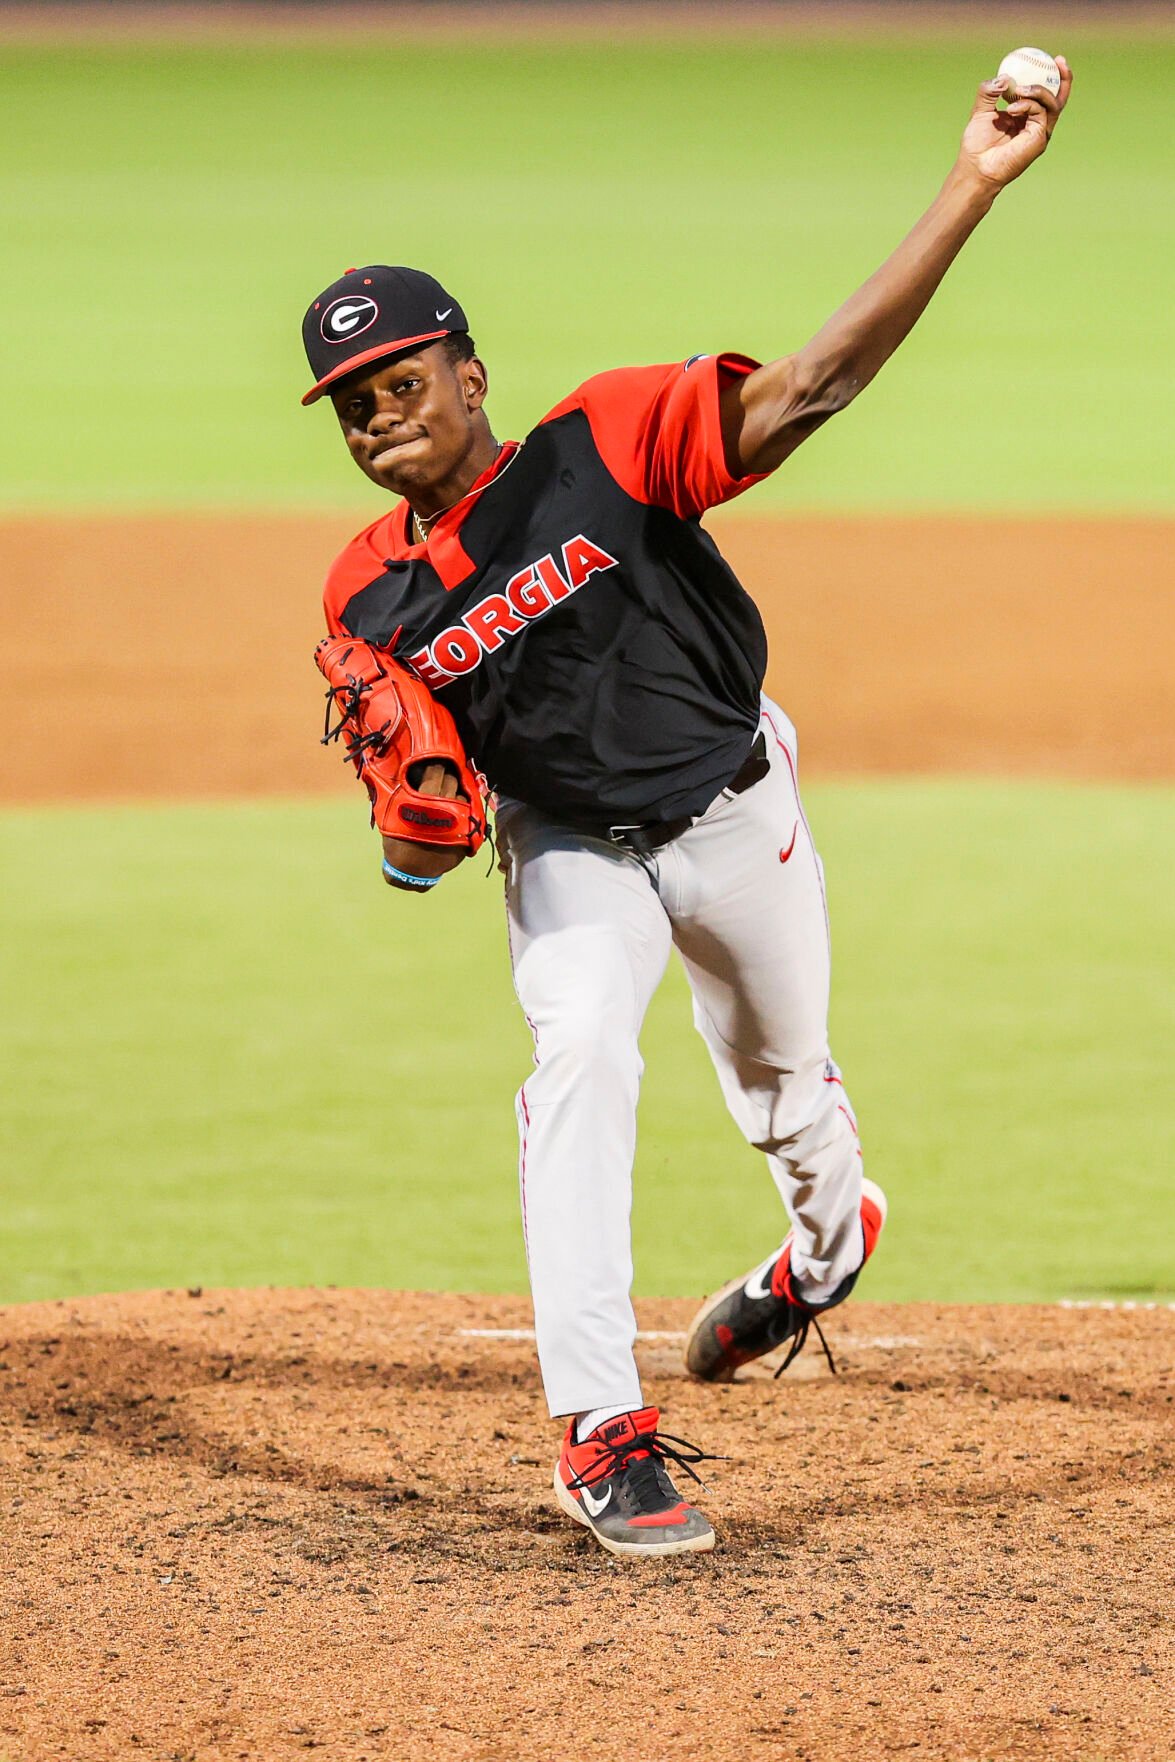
1031, 67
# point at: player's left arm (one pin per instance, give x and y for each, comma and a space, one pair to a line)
768, 413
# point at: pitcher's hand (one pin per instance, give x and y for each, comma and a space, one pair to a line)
998, 145
418, 859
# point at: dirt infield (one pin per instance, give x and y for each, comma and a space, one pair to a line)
251, 1525
182, 648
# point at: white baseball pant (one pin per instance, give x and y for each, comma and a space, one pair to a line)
741, 897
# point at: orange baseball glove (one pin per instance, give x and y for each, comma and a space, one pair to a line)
393, 730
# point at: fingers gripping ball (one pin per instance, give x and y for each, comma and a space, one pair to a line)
426, 798
1030, 67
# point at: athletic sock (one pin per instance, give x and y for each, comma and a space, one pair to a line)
820, 1291
815, 1291
586, 1423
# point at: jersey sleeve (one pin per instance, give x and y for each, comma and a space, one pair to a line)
659, 431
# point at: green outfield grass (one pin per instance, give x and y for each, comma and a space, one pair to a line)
236, 1059
169, 212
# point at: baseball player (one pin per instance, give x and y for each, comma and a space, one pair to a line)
598, 663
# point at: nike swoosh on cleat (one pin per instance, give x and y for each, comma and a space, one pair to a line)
758, 1285
594, 1505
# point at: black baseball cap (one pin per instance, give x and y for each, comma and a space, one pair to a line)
373, 312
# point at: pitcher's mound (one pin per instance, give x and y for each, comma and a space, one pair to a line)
257, 1524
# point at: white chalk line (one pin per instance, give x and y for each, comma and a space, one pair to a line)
877, 1343
881, 1343
528, 1334
1110, 1303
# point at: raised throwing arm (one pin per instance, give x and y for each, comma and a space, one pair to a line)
766, 415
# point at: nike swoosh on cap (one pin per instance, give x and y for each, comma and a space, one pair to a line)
441, 316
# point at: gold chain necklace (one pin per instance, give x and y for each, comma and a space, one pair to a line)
425, 526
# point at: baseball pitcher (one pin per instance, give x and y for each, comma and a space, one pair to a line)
546, 625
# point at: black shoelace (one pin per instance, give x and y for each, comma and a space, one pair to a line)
346, 702
657, 1447
800, 1340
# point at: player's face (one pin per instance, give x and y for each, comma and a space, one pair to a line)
410, 423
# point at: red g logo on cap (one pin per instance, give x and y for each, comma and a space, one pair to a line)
348, 317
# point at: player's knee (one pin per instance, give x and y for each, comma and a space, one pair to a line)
590, 1044
582, 1012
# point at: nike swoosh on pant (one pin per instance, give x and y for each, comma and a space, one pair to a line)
785, 854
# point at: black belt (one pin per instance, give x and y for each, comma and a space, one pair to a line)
650, 835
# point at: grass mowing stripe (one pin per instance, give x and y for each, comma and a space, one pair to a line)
234, 1058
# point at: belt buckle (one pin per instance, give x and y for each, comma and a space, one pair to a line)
633, 838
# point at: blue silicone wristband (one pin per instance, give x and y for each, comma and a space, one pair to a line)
422, 881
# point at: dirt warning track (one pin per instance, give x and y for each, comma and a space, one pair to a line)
251, 1525
182, 647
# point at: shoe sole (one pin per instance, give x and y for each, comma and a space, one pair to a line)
724, 1374
627, 1550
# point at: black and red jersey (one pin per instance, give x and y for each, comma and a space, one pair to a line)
599, 657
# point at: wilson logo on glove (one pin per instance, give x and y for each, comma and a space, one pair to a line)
392, 728
416, 818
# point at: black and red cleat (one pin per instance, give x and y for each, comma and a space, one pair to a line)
753, 1315
616, 1484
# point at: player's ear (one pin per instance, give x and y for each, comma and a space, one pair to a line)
474, 383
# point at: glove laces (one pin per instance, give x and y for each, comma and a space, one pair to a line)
345, 699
